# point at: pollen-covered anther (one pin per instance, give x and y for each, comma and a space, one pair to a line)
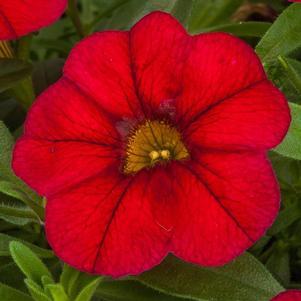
165, 154
151, 143
154, 155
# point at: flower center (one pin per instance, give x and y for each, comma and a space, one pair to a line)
153, 142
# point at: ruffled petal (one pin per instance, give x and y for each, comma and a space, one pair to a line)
51, 166
218, 67
256, 118
159, 46
106, 226
20, 17
226, 203
138, 72
67, 139
100, 66
63, 113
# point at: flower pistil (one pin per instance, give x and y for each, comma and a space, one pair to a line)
153, 142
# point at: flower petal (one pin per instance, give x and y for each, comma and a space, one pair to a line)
100, 66
291, 295
159, 45
62, 112
50, 166
67, 139
20, 17
226, 203
115, 234
257, 118
218, 67
135, 70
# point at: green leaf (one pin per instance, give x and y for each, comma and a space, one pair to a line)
283, 37
81, 282
123, 14
242, 29
291, 145
293, 71
129, 290
74, 282
87, 292
46, 280
8, 293
18, 189
13, 215
285, 218
5, 240
13, 190
6, 145
243, 279
210, 13
11, 275
182, 10
57, 292
28, 262
46, 73
278, 265
69, 279
105, 9
18, 215
36, 291
12, 71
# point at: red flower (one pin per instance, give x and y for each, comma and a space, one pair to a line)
292, 295
154, 142
20, 17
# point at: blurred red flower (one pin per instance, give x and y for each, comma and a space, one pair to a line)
154, 142
292, 295
20, 17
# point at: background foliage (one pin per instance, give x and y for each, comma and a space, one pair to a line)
29, 270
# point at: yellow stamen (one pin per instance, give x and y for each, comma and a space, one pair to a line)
154, 155
151, 143
165, 154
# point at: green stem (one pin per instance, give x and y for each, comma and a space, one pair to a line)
73, 13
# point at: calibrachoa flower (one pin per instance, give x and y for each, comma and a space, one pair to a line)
20, 17
154, 142
292, 295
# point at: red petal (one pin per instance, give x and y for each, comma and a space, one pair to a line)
159, 46
226, 203
67, 139
219, 66
100, 66
62, 112
256, 118
50, 166
292, 295
106, 226
131, 70
19, 17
